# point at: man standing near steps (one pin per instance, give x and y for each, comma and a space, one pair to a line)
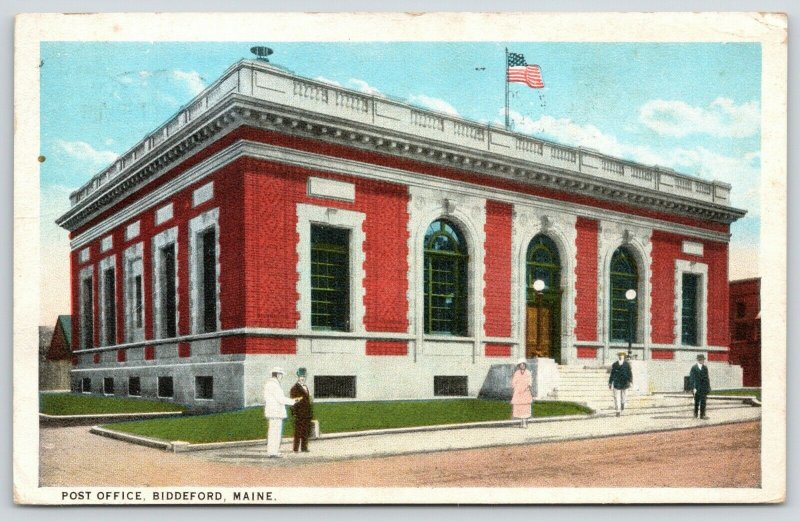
275, 403
701, 386
620, 379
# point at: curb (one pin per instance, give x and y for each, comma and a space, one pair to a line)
72, 420
183, 446
747, 400
138, 440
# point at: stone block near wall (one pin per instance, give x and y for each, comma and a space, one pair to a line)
641, 382
546, 377
497, 385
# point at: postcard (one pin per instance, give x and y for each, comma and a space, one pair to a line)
445, 258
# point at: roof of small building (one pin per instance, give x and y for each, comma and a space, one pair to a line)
65, 321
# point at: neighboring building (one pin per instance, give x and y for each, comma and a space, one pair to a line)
745, 316
55, 355
391, 250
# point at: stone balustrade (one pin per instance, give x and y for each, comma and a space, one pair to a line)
269, 85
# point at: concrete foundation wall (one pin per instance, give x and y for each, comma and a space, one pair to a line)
54, 375
377, 377
667, 376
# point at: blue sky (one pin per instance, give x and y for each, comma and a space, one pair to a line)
693, 107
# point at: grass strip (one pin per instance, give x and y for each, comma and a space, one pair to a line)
67, 404
249, 424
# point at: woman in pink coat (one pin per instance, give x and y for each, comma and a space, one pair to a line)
522, 393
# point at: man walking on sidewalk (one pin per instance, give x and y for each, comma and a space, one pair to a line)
275, 403
620, 379
701, 386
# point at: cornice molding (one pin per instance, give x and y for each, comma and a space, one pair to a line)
352, 168
240, 110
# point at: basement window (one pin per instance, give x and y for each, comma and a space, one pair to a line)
334, 387
86, 385
204, 387
450, 386
134, 386
108, 386
165, 387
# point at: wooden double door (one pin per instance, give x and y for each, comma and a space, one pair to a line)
543, 326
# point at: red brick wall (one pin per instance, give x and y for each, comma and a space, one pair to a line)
386, 348
227, 191
662, 354
666, 249
258, 345
499, 350
718, 356
272, 192
59, 349
745, 350
497, 275
586, 280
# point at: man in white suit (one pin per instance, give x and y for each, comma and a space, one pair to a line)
275, 403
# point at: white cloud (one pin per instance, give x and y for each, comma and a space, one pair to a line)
85, 152
363, 86
437, 104
329, 81
742, 172
722, 118
191, 79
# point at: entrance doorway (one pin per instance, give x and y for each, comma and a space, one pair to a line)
543, 311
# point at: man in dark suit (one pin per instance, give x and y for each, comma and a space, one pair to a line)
701, 386
302, 411
620, 379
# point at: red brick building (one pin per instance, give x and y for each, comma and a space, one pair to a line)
391, 250
745, 317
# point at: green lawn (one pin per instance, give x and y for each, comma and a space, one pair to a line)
739, 392
62, 404
248, 424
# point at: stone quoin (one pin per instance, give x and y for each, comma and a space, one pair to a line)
390, 250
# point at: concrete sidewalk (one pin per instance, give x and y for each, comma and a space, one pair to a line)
541, 431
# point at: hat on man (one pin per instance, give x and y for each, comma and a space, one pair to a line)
622, 353
278, 370
301, 371
701, 357
522, 361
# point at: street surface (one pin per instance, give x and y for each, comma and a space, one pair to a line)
688, 453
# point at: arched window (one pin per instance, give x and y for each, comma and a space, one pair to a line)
543, 264
445, 280
624, 276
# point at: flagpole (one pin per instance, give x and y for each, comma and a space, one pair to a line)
505, 74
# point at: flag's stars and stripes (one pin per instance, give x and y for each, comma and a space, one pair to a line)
520, 72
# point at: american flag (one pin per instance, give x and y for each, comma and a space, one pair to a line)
520, 72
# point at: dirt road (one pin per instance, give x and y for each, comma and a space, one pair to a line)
718, 456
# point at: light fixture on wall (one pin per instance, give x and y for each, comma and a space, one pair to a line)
538, 287
630, 295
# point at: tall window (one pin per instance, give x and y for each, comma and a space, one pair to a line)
330, 278
689, 309
543, 264
208, 280
167, 282
624, 276
134, 302
445, 280
109, 307
87, 314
